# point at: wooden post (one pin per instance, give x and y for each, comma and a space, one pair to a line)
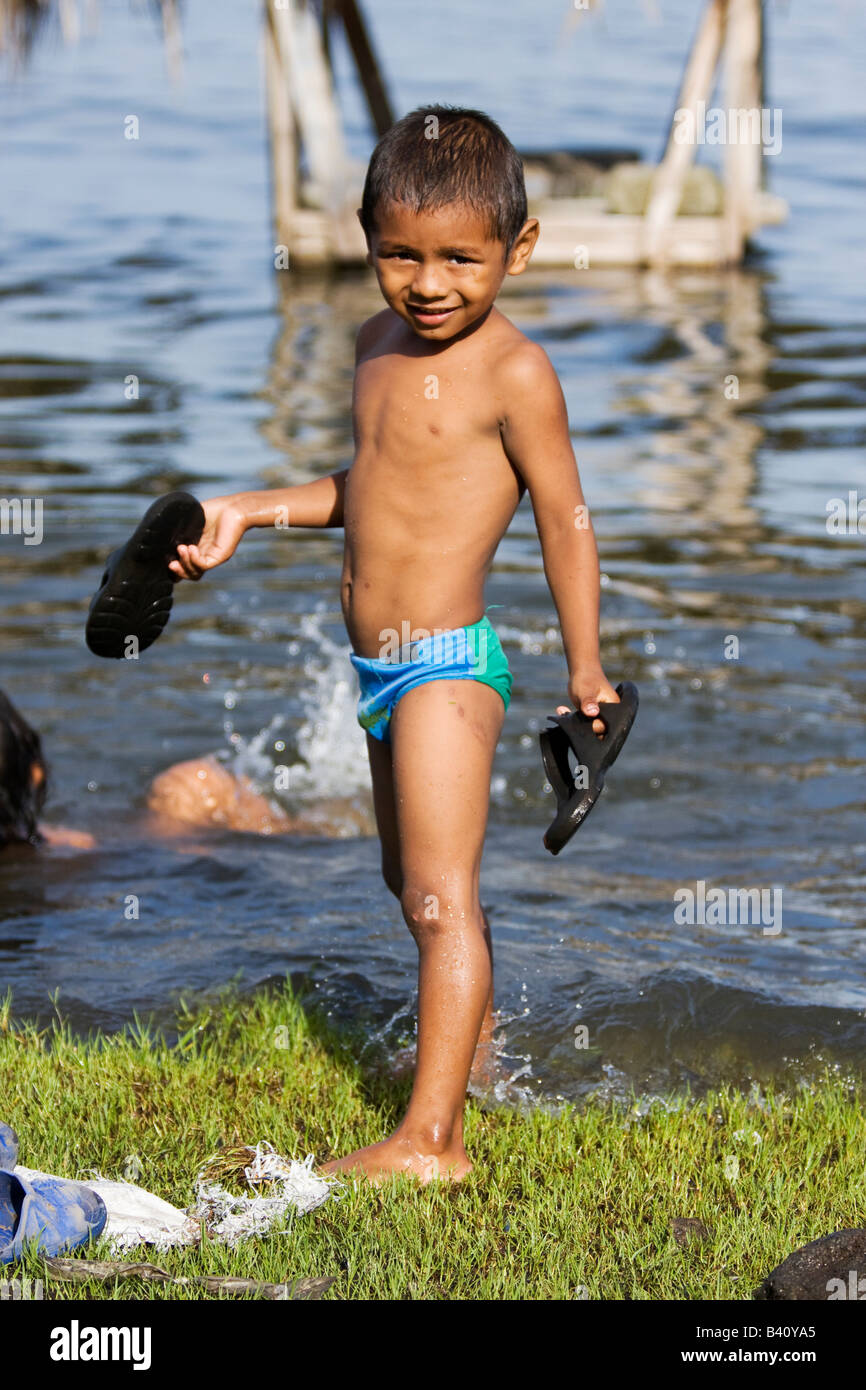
313, 100
378, 102
667, 184
69, 22
743, 155
281, 127
173, 42
320, 211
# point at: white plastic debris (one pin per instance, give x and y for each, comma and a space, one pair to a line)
137, 1217
291, 1186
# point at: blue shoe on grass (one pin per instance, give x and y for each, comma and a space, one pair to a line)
60, 1215
8, 1146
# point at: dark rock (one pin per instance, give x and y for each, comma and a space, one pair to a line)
688, 1230
809, 1273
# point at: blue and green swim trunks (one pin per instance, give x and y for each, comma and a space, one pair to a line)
462, 653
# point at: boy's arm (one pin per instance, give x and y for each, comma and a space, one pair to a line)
536, 439
227, 519
308, 504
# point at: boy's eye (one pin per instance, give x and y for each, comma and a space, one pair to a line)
455, 257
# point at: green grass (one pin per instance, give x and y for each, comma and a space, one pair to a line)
557, 1202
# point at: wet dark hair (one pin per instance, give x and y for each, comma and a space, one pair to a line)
461, 156
20, 801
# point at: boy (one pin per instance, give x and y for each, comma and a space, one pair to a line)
456, 414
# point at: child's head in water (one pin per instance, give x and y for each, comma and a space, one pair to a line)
23, 780
444, 213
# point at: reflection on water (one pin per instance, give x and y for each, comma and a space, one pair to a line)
713, 417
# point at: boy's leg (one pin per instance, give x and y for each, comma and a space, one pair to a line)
483, 1071
384, 805
382, 774
444, 735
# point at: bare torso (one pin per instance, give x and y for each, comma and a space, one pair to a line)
431, 490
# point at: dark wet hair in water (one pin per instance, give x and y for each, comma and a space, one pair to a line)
446, 154
20, 801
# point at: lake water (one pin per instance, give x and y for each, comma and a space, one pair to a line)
155, 258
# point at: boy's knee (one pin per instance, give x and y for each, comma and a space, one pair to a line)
421, 911
425, 911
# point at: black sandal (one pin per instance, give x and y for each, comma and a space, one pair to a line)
573, 732
134, 597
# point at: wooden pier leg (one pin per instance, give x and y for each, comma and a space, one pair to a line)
316, 106
281, 127
173, 41
378, 101
315, 216
743, 155
667, 184
69, 21
319, 228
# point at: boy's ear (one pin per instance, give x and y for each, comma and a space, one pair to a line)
366, 238
523, 247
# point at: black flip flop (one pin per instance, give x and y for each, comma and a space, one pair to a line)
573, 732
135, 593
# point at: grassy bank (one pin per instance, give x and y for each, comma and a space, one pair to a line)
556, 1205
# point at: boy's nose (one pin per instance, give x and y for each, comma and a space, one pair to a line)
427, 285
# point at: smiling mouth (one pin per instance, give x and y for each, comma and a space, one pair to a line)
428, 314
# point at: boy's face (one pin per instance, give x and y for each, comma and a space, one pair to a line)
440, 270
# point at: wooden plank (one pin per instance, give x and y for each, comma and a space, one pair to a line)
669, 177
576, 233
600, 240
576, 240
592, 240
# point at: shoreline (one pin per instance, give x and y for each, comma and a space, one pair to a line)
593, 1203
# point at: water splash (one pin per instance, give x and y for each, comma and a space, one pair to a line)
330, 742
322, 760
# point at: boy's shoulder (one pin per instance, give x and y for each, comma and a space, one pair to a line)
520, 364
372, 330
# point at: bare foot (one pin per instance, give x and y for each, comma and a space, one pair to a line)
396, 1156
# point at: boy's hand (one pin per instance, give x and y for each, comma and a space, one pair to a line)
589, 690
225, 525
